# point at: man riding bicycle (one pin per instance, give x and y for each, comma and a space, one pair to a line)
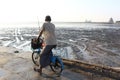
48, 32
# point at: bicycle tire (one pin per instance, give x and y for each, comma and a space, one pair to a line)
35, 58
55, 67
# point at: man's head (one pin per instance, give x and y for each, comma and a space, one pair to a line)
48, 18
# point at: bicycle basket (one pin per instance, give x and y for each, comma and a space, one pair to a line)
36, 43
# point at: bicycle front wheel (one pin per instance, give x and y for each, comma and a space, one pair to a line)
35, 58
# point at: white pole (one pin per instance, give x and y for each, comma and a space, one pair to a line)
38, 23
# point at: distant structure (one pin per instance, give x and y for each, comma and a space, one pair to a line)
111, 21
118, 22
88, 21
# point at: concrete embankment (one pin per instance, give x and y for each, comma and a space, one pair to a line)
19, 66
96, 69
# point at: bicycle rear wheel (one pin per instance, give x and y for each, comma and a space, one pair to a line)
57, 67
35, 58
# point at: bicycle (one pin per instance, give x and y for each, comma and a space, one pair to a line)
56, 63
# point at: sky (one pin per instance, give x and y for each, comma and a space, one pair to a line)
16, 11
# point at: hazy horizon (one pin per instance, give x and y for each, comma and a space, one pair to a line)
76, 25
14, 11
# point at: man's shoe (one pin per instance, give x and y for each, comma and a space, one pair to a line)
38, 70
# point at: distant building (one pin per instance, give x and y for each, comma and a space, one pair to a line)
118, 22
88, 21
111, 21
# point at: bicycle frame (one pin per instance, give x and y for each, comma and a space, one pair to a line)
53, 58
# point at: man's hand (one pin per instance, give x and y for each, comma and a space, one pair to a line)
40, 33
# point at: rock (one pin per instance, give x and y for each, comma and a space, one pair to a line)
16, 51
